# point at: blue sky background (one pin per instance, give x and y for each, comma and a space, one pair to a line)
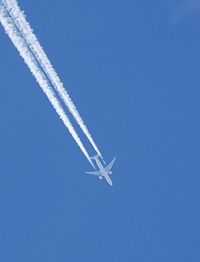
133, 70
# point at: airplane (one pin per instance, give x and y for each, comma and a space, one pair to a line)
103, 171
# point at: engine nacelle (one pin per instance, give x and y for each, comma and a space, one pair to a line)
110, 172
100, 177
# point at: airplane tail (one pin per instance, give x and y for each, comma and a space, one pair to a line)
94, 157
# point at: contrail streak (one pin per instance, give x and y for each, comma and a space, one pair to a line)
33, 43
40, 77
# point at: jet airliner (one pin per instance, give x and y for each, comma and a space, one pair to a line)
103, 171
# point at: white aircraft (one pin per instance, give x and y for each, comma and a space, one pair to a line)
103, 171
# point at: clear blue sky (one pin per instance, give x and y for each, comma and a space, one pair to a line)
133, 70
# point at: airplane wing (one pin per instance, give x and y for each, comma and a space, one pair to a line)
94, 173
109, 166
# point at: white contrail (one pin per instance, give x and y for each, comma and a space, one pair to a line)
29, 59
31, 39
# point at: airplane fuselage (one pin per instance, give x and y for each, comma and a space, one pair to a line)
103, 171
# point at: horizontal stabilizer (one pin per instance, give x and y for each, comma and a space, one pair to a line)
94, 157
